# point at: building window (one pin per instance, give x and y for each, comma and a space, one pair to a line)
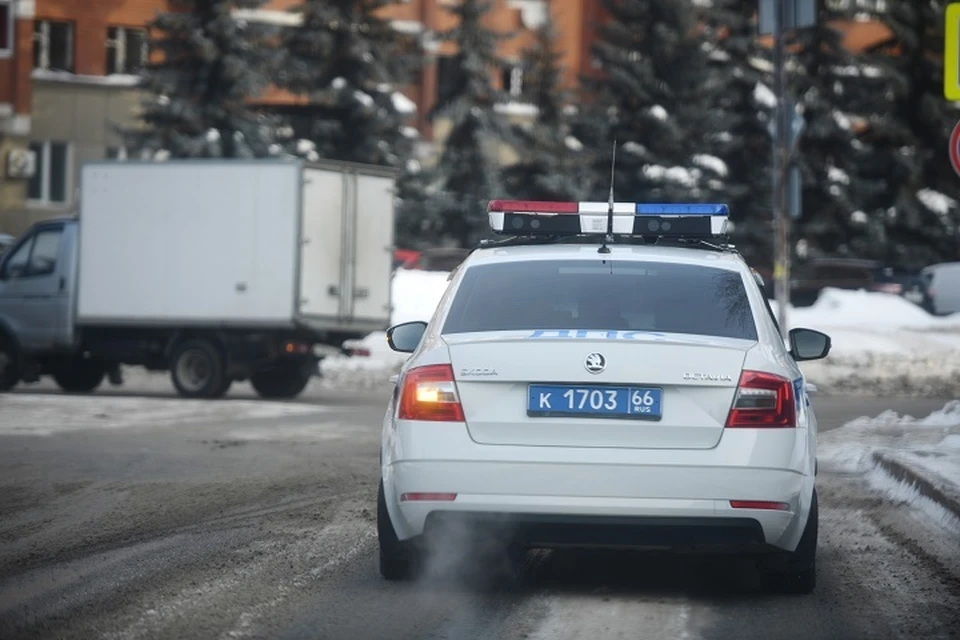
6, 28
126, 50
53, 45
512, 78
50, 182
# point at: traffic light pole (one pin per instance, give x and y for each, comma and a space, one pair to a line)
781, 167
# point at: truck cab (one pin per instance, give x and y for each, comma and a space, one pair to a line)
37, 275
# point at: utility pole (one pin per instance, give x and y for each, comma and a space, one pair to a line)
781, 246
776, 18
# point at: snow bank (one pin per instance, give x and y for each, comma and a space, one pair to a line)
869, 311
882, 345
931, 443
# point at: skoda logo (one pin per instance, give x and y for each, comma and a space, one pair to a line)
595, 363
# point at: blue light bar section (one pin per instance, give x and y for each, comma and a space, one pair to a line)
693, 209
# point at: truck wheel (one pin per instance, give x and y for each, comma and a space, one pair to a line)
224, 388
9, 365
197, 369
280, 381
80, 376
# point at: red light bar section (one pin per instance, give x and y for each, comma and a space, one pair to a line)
760, 504
533, 206
428, 497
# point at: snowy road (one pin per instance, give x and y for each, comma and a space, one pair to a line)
191, 522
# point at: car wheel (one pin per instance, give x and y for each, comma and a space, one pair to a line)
797, 571
196, 368
397, 558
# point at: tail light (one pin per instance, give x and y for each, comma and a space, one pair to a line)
430, 393
763, 400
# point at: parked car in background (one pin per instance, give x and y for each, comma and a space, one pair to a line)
406, 259
940, 288
813, 276
6, 241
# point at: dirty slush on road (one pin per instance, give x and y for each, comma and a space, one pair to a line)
213, 530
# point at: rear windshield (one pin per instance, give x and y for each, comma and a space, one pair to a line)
610, 296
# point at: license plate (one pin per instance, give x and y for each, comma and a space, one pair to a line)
639, 403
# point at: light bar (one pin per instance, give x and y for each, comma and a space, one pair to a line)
533, 217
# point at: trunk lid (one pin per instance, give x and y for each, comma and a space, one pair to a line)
520, 387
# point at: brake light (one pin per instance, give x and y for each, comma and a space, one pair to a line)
760, 504
763, 400
430, 393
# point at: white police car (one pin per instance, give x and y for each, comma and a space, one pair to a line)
604, 381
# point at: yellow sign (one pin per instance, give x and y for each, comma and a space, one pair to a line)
951, 52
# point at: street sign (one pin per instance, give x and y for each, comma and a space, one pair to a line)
797, 14
951, 52
955, 148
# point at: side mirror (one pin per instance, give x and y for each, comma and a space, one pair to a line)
807, 344
406, 337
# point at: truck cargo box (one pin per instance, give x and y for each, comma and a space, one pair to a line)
234, 243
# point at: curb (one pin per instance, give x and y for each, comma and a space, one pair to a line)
928, 483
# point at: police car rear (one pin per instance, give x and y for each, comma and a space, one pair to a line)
578, 387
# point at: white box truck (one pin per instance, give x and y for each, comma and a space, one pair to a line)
216, 270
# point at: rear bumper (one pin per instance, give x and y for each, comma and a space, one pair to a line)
553, 531
604, 497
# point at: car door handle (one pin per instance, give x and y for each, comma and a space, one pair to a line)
394, 378
63, 283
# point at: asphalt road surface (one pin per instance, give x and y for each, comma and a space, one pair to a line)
128, 518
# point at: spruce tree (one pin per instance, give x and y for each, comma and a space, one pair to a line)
650, 99
550, 165
741, 106
920, 217
212, 63
351, 64
836, 96
467, 171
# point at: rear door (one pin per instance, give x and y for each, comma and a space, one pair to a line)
373, 246
604, 354
324, 197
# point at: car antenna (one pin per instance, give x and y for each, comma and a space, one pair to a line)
609, 236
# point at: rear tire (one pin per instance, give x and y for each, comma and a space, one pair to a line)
224, 388
797, 572
9, 364
397, 558
197, 369
281, 381
80, 375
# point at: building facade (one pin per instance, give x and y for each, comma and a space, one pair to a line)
69, 72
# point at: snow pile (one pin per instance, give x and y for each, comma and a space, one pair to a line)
415, 296
882, 345
931, 444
